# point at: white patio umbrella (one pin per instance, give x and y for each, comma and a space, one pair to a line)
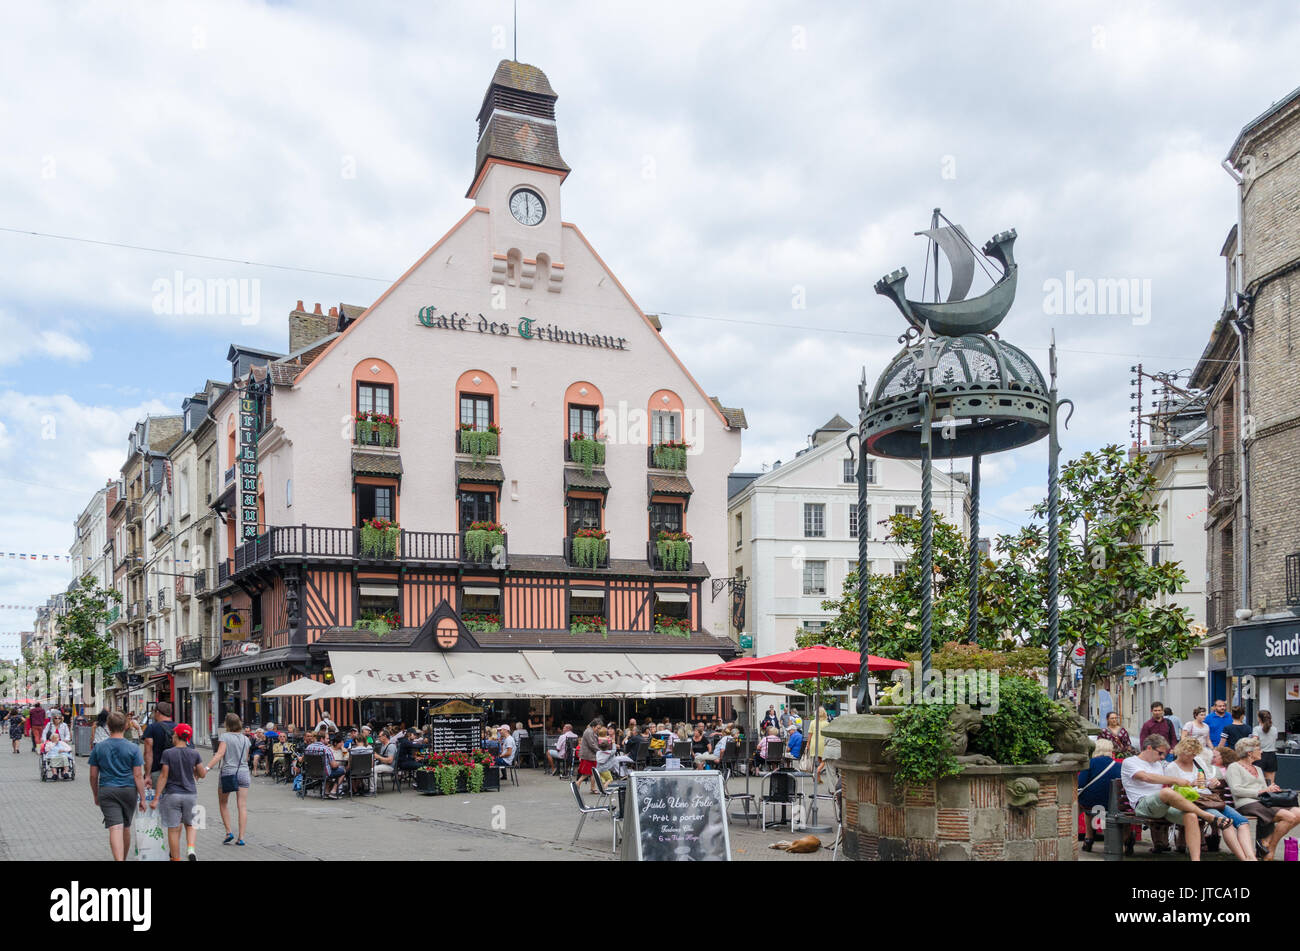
302, 687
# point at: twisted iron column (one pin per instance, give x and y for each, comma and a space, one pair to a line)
864, 569
973, 595
927, 536
1053, 530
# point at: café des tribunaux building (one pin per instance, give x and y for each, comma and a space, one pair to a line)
473, 377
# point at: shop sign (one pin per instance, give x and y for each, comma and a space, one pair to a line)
248, 467
1260, 647
526, 328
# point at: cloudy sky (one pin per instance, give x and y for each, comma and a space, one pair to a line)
747, 169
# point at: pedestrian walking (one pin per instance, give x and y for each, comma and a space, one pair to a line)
158, 739
232, 754
117, 784
175, 795
36, 720
16, 724
101, 729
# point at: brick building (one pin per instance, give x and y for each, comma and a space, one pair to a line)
1249, 370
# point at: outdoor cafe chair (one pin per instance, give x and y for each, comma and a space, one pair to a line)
511, 770
782, 793
642, 757
313, 774
359, 771
746, 798
585, 810
570, 756
682, 750
773, 755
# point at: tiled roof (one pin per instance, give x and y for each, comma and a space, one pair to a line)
397, 637
577, 479
735, 416
283, 374
351, 311
375, 463
669, 484
697, 643
521, 139
470, 471
622, 567
516, 75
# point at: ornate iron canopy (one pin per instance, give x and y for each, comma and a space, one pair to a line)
988, 396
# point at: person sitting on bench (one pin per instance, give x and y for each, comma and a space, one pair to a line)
1150, 792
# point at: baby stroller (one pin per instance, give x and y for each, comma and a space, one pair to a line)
55, 760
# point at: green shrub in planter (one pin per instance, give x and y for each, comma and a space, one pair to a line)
482, 623
379, 538
479, 443
673, 549
672, 626
920, 743
670, 455
590, 547
587, 451
482, 538
589, 624
1019, 732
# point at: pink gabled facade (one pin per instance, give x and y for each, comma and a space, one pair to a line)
511, 323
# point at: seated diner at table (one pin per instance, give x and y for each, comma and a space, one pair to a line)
555, 755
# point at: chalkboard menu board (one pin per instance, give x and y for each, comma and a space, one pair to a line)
456, 732
676, 816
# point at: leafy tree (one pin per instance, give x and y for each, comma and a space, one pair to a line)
46, 663
1110, 591
80, 643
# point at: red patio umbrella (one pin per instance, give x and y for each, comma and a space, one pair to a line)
817, 661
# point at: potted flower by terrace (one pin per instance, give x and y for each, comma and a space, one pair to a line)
379, 538
480, 443
482, 538
482, 622
589, 624
586, 450
380, 623
590, 547
670, 454
673, 550
672, 626
375, 429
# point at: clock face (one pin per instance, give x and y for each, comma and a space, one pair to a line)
527, 207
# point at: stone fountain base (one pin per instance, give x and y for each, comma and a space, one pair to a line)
967, 817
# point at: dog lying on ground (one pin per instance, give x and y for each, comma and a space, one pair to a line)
809, 843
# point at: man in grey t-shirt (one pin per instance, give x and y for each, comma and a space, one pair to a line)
176, 795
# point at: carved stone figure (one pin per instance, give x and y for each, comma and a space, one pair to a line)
1070, 743
1022, 792
964, 721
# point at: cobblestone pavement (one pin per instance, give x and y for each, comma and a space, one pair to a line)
533, 821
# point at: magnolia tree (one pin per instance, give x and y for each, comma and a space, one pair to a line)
1110, 591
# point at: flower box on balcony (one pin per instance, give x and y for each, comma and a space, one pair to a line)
587, 451
482, 539
672, 626
375, 429
669, 455
377, 623
480, 443
589, 624
482, 622
379, 538
673, 551
589, 548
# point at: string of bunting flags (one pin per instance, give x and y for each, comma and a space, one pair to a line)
27, 556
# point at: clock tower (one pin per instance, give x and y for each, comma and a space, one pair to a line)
517, 175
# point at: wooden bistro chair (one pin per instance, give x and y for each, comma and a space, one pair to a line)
585, 810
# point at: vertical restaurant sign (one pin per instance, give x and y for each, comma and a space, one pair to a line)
247, 466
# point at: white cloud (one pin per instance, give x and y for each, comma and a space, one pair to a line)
23, 341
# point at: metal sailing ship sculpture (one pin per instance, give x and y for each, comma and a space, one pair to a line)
956, 389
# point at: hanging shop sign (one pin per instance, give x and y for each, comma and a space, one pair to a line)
526, 328
248, 466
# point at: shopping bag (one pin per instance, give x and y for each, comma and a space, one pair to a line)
150, 838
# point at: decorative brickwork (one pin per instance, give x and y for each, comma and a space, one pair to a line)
954, 824
918, 796
889, 820
986, 792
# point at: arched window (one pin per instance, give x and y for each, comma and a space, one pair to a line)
665, 410
374, 403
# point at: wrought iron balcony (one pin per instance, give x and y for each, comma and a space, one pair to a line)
1293, 578
1223, 479
315, 543
382, 437
139, 658
189, 650
223, 572
162, 599
200, 582
1220, 610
